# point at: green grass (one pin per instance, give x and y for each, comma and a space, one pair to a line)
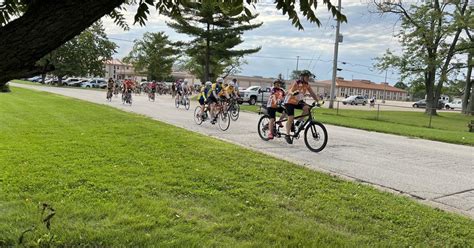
120, 179
446, 127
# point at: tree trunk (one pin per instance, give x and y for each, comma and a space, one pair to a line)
467, 97
45, 26
470, 105
43, 78
60, 81
208, 56
431, 100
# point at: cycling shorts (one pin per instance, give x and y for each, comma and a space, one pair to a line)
272, 111
290, 108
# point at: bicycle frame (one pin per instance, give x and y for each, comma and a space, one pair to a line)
306, 122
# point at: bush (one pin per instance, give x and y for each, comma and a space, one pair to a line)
5, 88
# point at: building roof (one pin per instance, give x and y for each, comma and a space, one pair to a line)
116, 62
362, 84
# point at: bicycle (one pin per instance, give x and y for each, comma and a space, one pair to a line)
127, 97
234, 109
182, 100
314, 131
151, 96
109, 95
223, 117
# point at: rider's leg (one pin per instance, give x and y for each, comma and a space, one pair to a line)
305, 112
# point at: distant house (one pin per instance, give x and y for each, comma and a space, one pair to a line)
119, 70
365, 88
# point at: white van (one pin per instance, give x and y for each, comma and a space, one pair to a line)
455, 104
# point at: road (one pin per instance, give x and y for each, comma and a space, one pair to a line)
435, 173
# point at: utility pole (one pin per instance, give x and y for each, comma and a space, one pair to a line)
334, 66
384, 87
297, 62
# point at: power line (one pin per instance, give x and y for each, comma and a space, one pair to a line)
285, 58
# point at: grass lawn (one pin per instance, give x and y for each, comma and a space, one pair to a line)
120, 179
446, 127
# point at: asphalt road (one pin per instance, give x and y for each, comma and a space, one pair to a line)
435, 173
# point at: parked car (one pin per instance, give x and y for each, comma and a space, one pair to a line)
354, 100
455, 104
76, 82
92, 83
102, 83
422, 104
253, 94
35, 79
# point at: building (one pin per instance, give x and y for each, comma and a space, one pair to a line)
365, 88
119, 70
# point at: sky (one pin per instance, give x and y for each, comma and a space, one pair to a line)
367, 35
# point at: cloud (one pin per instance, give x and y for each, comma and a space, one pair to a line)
366, 36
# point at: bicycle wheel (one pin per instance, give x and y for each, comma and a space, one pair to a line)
263, 127
187, 103
235, 112
197, 115
315, 136
223, 119
176, 102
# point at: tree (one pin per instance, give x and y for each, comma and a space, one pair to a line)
153, 54
400, 85
217, 30
295, 75
83, 55
429, 35
42, 26
468, 96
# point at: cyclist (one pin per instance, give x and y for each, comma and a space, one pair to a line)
213, 95
228, 92
110, 88
274, 105
152, 88
203, 93
179, 89
236, 86
295, 100
128, 87
116, 88
186, 90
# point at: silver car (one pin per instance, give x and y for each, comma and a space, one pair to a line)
354, 100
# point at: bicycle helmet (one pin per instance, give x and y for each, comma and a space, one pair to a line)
278, 81
304, 73
220, 80
231, 83
208, 83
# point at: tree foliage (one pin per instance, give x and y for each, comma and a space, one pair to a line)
83, 55
153, 54
216, 30
51, 23
429, 36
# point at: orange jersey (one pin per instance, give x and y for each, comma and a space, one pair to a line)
298, 86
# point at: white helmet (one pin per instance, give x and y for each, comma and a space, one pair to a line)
220, 80
231, 83
185, 81
208, 83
